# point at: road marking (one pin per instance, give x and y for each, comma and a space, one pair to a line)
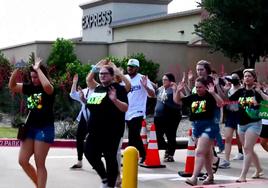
62, 157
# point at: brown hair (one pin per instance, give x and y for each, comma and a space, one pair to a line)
202, 80
206, 65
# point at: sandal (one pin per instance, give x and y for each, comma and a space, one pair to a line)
208, 181
191, 182
240, 181
257, 175
215, 165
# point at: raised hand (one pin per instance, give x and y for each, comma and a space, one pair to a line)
180, 86
183, 77
75, 78
144, 81
211, 88
112, 93
37, 63
102, 63
173, 85
190, 75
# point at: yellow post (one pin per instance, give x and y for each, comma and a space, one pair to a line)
130, 168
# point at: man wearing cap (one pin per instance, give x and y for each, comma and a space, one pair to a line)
141, 87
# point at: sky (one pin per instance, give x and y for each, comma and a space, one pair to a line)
25, 21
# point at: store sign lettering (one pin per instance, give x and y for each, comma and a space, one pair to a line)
97, 19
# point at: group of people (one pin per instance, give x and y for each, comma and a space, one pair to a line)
117, 99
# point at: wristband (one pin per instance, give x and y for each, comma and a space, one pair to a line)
95, 69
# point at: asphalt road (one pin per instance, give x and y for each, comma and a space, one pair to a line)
60, 176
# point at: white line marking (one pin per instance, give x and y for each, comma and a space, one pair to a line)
62, 157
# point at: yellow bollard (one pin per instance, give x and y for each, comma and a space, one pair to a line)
130, 168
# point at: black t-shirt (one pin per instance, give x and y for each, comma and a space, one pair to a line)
105, 118
40, 105
165, 105
245, 101
201, 107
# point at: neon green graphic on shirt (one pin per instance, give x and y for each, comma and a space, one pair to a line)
199, 106
246, 102
35, 101
96, 98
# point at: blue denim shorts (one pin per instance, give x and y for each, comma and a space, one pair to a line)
254, 127
45, 134
205, 128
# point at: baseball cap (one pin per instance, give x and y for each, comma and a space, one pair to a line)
133, 62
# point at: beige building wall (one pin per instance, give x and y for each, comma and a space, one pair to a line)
175, 29
175, 57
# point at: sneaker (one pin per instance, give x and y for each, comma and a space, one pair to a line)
169, 159
220, 151
224, 164
76, 166
239, 156
142, 159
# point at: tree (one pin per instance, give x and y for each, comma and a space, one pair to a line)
236, 28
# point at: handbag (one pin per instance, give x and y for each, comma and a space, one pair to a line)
263, 111
23, 129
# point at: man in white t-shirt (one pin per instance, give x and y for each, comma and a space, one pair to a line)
141, 87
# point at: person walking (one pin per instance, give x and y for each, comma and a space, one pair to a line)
141, 87
81, 96
167, 116
231, 119
40, 122
107, 105
249, 127
202, 105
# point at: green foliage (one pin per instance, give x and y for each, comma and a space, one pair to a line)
5, 70
147, 67
236, 28
62, 53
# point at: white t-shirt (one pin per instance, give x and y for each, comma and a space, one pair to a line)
137, 97
75, 95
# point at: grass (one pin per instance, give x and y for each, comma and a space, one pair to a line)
8, 132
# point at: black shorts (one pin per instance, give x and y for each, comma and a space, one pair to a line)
264, 131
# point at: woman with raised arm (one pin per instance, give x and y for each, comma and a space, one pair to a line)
81, 96
249, 126
107, 105
202, 105
40, 122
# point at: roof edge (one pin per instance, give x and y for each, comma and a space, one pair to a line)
101, 2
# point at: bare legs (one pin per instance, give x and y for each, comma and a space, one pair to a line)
39, 150
248, 141
203, 157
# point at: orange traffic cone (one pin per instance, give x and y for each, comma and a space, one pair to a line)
152, 156
189, 166
144, 134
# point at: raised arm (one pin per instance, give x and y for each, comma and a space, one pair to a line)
47, 86
122, 106
211, 90
13, 85
145, 82
177, 92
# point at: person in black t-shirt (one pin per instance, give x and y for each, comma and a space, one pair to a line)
167, 117
249, 127
107, 105
40, 121
202, 105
